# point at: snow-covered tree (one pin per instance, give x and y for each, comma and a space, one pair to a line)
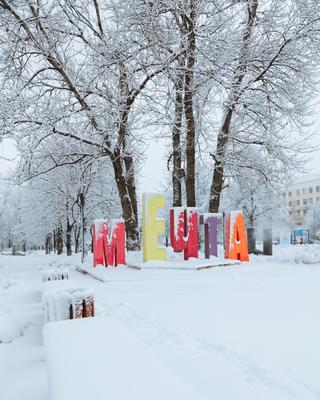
73, 72
86, 80
273, 63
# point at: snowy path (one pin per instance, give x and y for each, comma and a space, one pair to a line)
22, 363
249, 332
241, 333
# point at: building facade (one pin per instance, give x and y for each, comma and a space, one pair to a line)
301, 197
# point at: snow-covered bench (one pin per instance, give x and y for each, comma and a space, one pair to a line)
66, 299
54, 275
113, 364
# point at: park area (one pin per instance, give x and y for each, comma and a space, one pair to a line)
247, 331
159, 200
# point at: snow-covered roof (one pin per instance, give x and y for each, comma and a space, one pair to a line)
307, 178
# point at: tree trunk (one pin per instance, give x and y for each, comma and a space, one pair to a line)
128, 203
251, 240
123, 167
91, 237
218, 172
48, 243
177, 171
128, 160
233, 100
84, 250
189, 109
59, 240
68, 238
54, 241
77, 232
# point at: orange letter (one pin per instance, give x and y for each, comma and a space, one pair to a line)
236, 246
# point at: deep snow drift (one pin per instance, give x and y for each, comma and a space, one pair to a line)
238, 332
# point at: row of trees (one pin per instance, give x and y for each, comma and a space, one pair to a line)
84, 83
55, 209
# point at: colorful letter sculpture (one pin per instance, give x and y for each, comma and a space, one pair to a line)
109, 250
184, 231
211, 222
236, 246
109, 247
152, 227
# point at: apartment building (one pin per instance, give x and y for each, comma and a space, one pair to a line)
301, 196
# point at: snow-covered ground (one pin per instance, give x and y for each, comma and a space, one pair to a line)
239, 332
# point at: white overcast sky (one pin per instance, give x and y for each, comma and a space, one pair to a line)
7, 150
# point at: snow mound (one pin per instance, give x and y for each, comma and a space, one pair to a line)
298, 254
9, 328
307, 254
8, 283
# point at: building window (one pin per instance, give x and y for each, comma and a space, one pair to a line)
310, 190
311, 201
297, 192
298, 202
305, 202
303, 191
290, 212
317, 199
318, 189
305, 211
290, 194
290, 203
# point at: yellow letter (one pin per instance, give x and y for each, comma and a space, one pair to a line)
152, 227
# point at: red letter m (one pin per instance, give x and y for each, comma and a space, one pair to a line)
109, 250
